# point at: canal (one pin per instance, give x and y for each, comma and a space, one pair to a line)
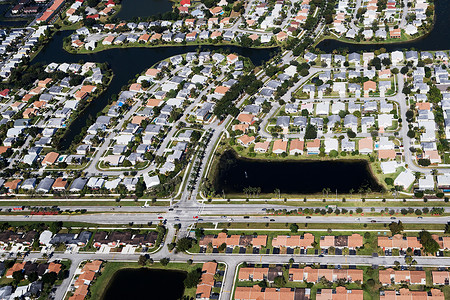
145, 283
125, 64
437, 39
235, 174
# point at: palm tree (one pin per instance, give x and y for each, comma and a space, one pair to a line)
277, 192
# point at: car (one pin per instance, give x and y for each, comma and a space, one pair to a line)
200, 219
223, 217
393, 218
230, 219
357, 219
321, 255
195, 217
308, 217
419, 217
177, 219
373, 221
170, 209
265, 217
272, 220
264, 209
246, 217
160, 217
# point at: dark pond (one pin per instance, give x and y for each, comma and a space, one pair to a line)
145, 284
138, 8
9, 22
437, 39
126, 63
292, 177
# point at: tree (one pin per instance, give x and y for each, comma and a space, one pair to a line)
142, 260
293, 228
333, 153
192, 278
164, 261
55, 227
184, 244
33, 276
199, 233
389, 181
310, 132
408, 260
411, 134
222, 247
18, 276
351, 134
429, 245
49, 278
262, 283
280, 281
447, 228
396, 228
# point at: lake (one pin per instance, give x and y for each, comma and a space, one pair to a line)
145, 283
292, 176
137, 8
126, 63
437, 39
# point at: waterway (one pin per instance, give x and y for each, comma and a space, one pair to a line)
10, 22
145, 283
132, 9
437, 39
292, 176
125, 64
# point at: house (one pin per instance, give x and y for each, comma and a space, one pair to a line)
397, 57
330, 145
256, 292
296, 147
339, 293
283, 122
390, 276
50, 158
369, 86
406, 294
262, 147
313, 147
405, 179
365, 145
279, 146
246, 140
395, 33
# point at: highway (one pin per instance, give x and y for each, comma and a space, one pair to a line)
189, 216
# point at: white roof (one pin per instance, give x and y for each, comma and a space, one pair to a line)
388, 167
112, 184
404, 179
151, 181
426, 183
45, 237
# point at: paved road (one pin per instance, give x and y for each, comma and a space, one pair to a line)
233, 260
189, 216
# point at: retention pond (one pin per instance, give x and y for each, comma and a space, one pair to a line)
145, 283
235, 174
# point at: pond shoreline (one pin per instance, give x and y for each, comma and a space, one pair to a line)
224, 172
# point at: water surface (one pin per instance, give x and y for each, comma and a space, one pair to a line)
293, 176
145, 283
